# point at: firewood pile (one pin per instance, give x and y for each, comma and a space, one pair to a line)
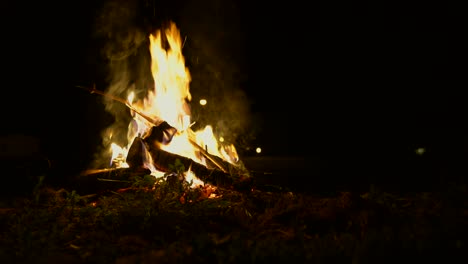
216, 171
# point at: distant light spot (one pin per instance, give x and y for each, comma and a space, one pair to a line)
420, 151
203, 101
221, 139
258, 150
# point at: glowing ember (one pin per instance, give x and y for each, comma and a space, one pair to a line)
168, 102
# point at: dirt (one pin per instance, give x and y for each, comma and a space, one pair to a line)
167, 222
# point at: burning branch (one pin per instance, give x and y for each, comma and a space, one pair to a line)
120, 100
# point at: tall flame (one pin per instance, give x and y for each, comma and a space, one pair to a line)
171, 77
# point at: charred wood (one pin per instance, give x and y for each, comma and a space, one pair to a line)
163, 159
136, 153
161, 133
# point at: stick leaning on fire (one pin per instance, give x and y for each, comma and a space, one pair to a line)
213, 159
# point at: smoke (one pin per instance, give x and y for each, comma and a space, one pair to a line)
215, 54
119, 29
118, 23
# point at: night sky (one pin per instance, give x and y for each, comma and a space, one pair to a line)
354, 83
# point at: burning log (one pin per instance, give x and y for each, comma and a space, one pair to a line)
163, 134
217, 171
163, 159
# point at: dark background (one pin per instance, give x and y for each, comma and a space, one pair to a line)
358, 86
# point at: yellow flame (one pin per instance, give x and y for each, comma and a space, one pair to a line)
171, 77
130, 97
118, 155
191, 177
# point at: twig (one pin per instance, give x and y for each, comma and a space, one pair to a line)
203, 151
120, 100
111, 180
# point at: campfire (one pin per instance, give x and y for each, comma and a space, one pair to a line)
160, 132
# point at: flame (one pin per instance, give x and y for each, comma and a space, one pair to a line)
169, 101
118, 156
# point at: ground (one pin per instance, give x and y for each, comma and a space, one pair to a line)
169, 222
